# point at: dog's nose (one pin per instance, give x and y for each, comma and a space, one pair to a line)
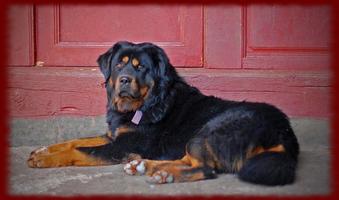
125, 80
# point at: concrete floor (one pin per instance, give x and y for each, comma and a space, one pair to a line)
313, 175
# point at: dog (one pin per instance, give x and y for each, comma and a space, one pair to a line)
160, 126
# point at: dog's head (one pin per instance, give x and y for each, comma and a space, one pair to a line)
138, 77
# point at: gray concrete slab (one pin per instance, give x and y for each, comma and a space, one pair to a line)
313, 175
31, 132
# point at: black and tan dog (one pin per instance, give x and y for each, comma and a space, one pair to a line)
170, 131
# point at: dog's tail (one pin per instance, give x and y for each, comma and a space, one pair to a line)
269, 168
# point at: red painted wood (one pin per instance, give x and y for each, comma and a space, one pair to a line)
288, 27
308, 103
74, 35
280, 53
20, 39
287, 37
297, 93
55, 91
223, 44
287, 61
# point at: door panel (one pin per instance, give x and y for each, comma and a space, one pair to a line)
20, 35
287, 37
223, 36
120, 21
292, 27
71, 35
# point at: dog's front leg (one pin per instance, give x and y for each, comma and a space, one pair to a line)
68, 153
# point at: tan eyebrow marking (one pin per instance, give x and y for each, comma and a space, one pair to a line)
125, 59
135, 62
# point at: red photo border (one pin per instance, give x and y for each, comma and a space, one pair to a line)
4, 117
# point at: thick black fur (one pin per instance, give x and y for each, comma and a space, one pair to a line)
176, 114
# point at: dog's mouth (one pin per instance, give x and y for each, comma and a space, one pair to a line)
128, 102
127, 95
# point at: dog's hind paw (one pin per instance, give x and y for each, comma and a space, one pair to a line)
160, 177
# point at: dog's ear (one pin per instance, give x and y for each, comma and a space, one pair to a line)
104, 60
163, 94
164, 66
164, 71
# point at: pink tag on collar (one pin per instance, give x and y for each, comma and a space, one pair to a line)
137, 117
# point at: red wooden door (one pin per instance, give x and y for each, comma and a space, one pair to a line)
272, 53
72, 35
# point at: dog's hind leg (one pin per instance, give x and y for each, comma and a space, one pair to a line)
199, 163
194, 170
183, 170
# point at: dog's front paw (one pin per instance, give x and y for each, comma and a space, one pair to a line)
135, 167
41, 150
37, 157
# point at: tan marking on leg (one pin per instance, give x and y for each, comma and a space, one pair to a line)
193, 162
258, 150
109, 134
65, 154
82, 142
154, 165
122, 130
165, 171
186, 169
70, 157
279, 148
213, 162
254, 151
177, 174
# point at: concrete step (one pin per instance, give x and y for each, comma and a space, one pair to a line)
312, 179
313, 175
